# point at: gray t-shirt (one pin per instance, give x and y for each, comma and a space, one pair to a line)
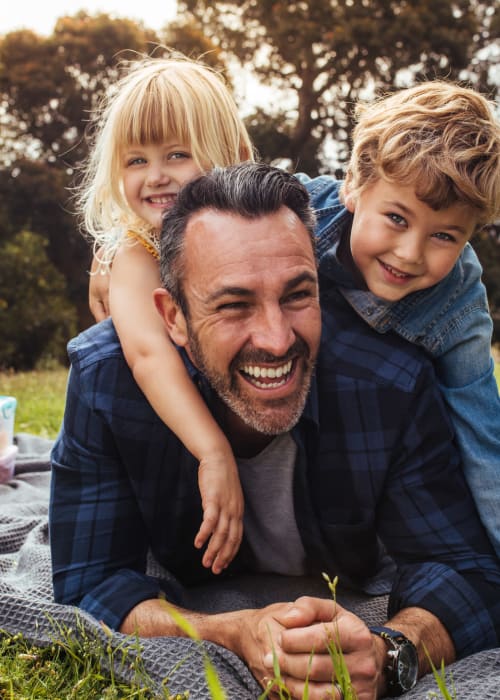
269, 521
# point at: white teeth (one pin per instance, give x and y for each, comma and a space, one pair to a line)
160, 200
395, 272
268, 372
269, 385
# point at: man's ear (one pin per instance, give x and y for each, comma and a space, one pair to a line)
172, 316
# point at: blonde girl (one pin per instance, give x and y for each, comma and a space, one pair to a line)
165, 122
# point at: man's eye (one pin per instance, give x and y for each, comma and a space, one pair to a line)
233, 306
298, 296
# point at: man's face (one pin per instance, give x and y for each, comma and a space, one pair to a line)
254, 317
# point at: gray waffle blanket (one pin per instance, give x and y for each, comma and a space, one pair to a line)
26, 602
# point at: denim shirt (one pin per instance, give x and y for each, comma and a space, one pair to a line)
451, 321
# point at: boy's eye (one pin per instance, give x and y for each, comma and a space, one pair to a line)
397, 219
442, 236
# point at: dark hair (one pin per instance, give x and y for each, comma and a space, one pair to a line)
250, 190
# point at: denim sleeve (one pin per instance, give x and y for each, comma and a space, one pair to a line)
475, 412
97, 536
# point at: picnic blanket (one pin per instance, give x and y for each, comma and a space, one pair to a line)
27, 605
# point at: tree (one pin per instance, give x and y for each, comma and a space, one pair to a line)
329, 53
35, 316
48, 88
49, 85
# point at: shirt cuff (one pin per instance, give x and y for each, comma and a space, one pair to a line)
114, 598
465, 608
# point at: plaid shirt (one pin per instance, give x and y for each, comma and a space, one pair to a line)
375, 463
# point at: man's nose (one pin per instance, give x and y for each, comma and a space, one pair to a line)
273, 331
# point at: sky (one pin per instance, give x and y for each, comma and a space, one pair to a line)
42, 16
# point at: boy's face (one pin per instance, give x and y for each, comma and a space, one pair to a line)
399, 244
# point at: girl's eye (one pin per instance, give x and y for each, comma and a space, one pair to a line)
137, 160
397, 219
178, 155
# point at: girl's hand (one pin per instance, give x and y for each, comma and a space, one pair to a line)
223, 505
98, 291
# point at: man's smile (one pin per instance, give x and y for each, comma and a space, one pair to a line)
268, 377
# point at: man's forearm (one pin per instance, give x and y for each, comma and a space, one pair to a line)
427, 633
151, 618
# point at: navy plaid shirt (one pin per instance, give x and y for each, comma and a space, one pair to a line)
375, 463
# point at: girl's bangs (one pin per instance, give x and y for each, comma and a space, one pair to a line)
152, 120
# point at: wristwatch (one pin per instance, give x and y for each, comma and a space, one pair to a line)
402, 661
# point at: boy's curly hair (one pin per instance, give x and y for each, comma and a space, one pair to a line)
440, 137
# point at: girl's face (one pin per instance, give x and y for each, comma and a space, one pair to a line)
401, 245
152, 176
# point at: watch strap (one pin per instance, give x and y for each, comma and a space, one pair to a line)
395, 640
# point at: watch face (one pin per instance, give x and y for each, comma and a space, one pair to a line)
407, 667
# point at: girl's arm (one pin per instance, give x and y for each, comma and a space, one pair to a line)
98, 290
162, 376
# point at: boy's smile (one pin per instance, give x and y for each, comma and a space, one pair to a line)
399, 244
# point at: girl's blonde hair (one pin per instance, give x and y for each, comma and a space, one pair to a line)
159, 100
439, 137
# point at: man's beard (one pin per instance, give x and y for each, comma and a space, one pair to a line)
272, 417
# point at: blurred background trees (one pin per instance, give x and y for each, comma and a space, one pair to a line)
296, 69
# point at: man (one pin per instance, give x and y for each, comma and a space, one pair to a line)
333, 460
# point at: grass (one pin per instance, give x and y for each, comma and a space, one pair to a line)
81, 667
75, 668
40, 398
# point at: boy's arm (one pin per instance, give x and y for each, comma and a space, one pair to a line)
162, 376
465, 370
475, 413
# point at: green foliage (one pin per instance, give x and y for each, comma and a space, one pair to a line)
330, 53
36, 320
442, 681
48, 87
340, 670
78, 666
40, 396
